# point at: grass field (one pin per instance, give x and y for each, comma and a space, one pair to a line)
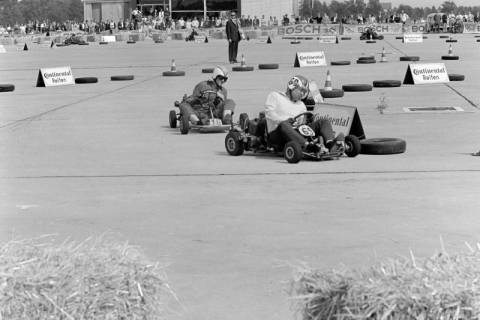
86, 159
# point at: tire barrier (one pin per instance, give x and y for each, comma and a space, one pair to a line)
380, 146
268, 66
444, 37
103, 42
345, 38
7, 87
83, 80
340, 63
334, 93
451, 40
159, 41
295, 42
410, 58
386, 83
356, 87
122, 78
450, 57
173, 73
456, 77
399, 38
366, 61
131, 42
366, 58
240, 68
370, 41
207, 70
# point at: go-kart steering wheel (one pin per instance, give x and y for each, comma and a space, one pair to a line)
308, 114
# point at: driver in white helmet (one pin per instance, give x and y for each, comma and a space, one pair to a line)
209, 97
282, 107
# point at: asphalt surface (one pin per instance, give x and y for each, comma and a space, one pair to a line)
87, 159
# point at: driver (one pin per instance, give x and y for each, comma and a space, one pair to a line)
281, 108
209, 98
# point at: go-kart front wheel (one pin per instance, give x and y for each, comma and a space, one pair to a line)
184, 125
172, 117
352, 146
233, 144
293, 152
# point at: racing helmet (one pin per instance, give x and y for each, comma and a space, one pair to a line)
301, 83
220, 71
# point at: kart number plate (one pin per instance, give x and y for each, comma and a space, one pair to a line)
306, 131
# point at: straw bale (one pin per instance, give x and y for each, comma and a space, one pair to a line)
97, 278
440, 287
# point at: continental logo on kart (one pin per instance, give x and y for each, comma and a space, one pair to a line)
344, 119
309, 59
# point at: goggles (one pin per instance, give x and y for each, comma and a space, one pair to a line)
224, 79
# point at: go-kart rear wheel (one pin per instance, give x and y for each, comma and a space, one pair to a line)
243, 121
293, 152
172, 117
233, 144
352, 146
184, 125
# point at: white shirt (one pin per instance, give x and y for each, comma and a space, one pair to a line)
279, 107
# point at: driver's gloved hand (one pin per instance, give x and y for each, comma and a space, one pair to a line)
291, 120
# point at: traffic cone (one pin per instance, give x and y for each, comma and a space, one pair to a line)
173, 68
336, 40
269, 40
25, 48
450, 50
52, 44
242, 62
206, 39
384, 56
328, 82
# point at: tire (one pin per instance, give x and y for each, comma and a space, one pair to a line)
246, 68
173, 73
340, 63
352, 146
410, 58
424, 37
366, 58
207, 70
386, 83
456, 77
7, 87
399, 38
233, 145
294, 42
356, 87
371, 41
103, 42
83, 80
184, 125
243, 118
444, 37
345, 38
451, 40
334, 93
365, 61
172, 118
268, 66
383, 146
131, 42
478, 40
293, 152
158, 41
450, 57
122, 78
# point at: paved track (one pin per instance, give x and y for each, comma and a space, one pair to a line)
85, 159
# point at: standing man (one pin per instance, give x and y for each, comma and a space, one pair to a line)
233, 36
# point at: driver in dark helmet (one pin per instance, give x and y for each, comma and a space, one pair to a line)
209, 97
280, 110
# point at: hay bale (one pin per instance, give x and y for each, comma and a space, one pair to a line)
95, 279
440, 287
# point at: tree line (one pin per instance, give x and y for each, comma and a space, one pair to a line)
14, 12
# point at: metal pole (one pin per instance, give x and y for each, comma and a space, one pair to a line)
204, 10
170, 8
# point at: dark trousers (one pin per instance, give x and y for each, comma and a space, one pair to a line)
285, 132
232, 51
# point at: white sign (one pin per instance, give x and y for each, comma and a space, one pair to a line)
2, 49
310, 59
413, 38
328, 39
421, 73
51, 77
109, 39
344, 119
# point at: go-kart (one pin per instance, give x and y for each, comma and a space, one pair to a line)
370, 34
211, 125
73, 39
240, 139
